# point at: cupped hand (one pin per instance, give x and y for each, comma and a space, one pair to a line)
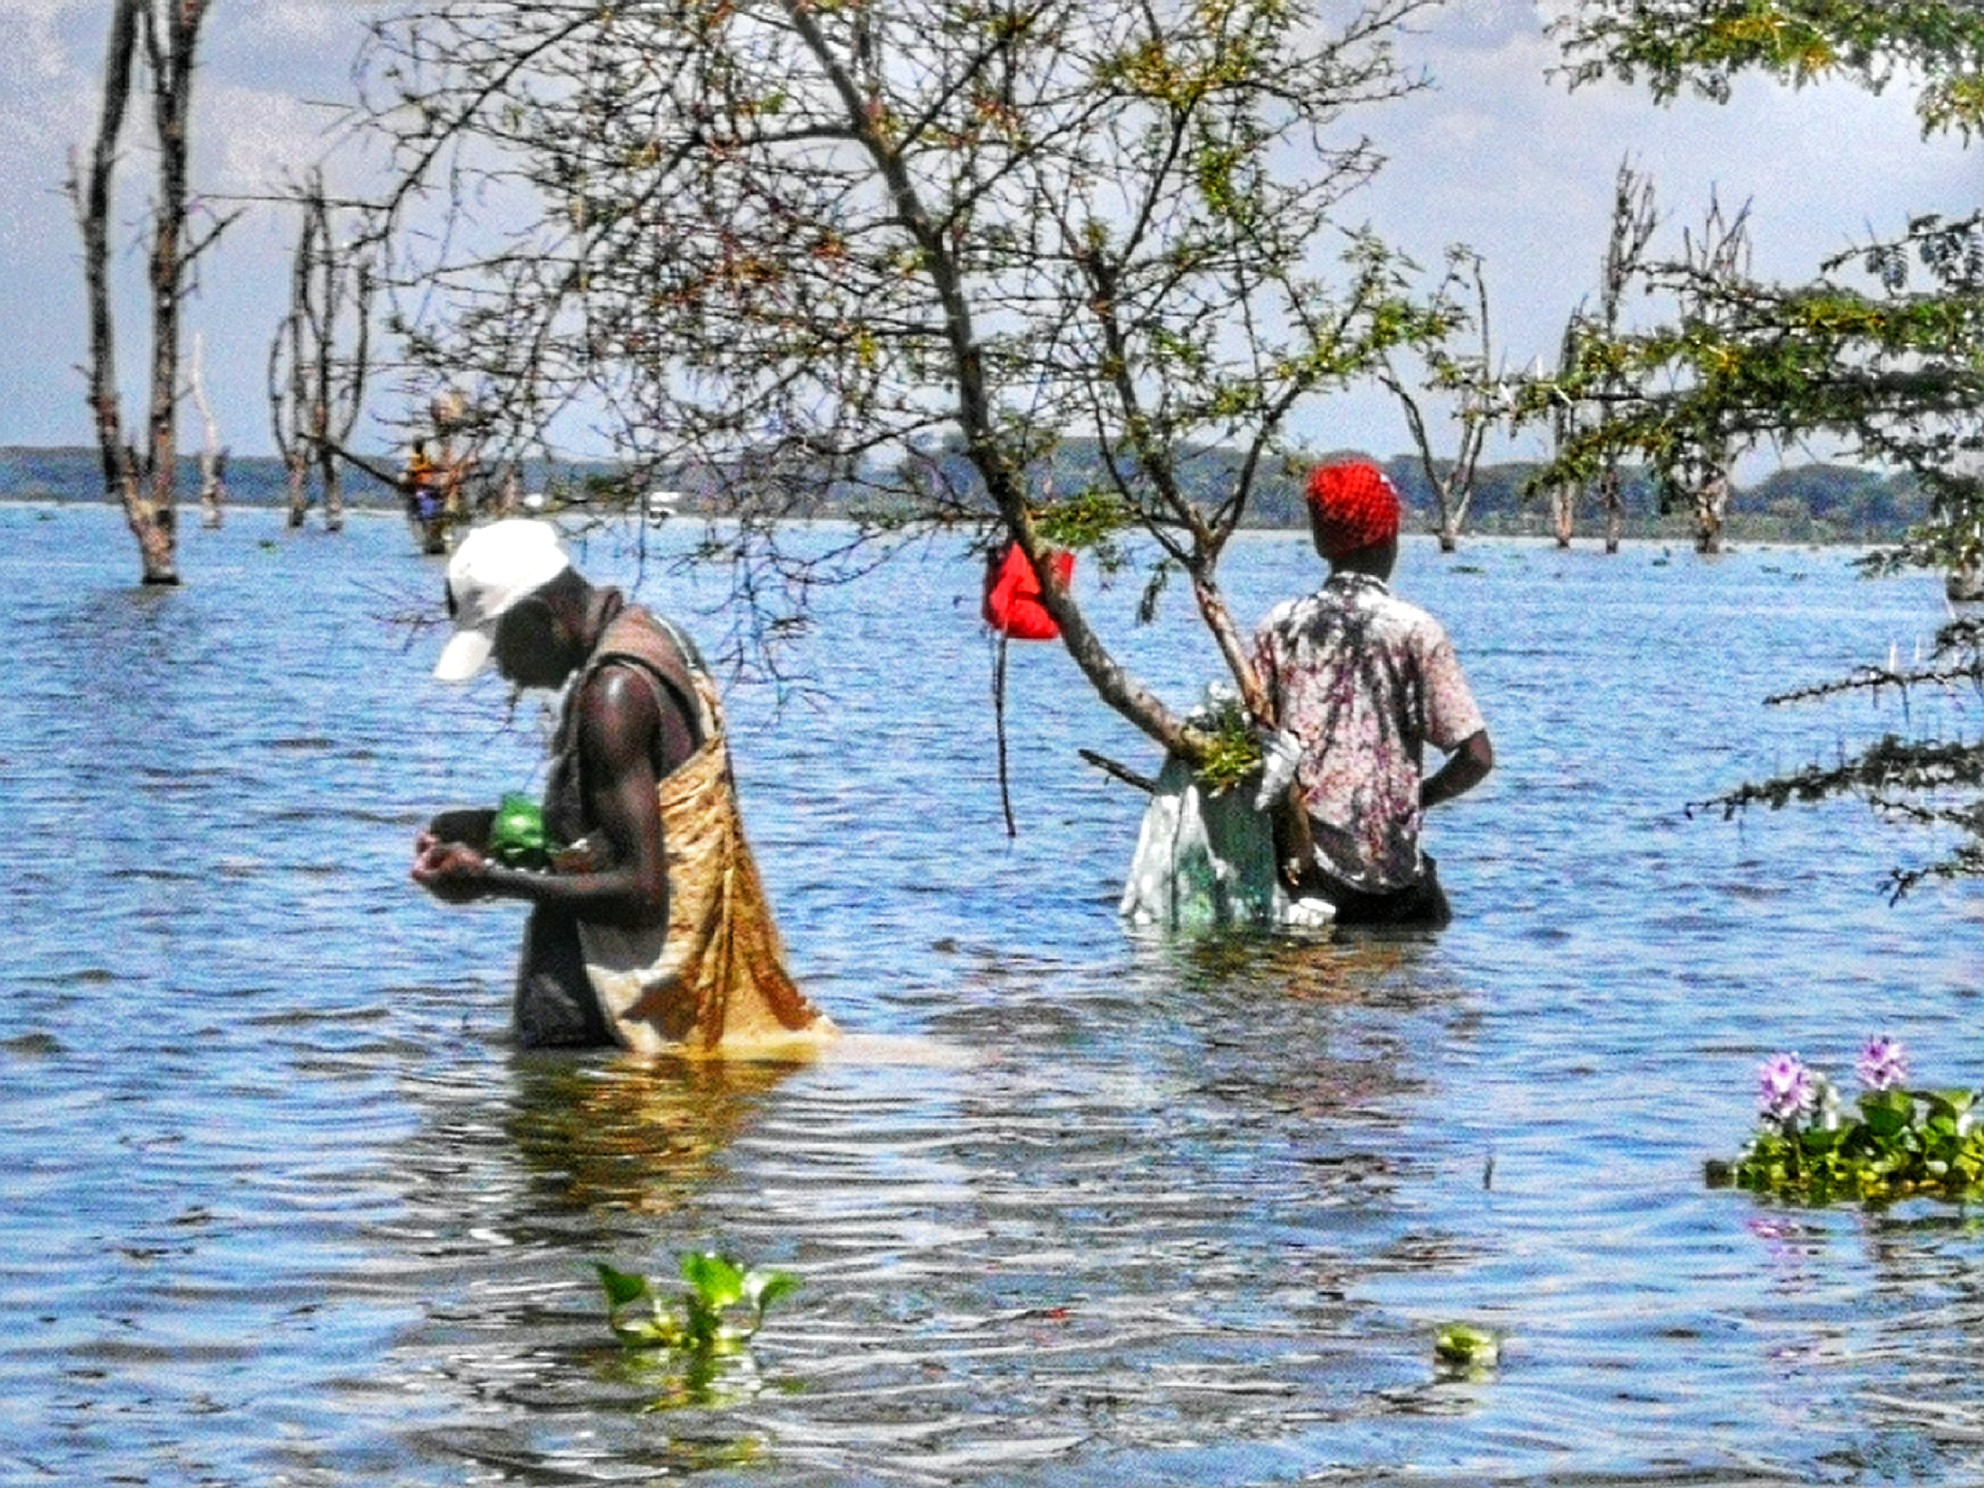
450, 871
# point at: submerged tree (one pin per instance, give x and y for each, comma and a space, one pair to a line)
785, 243
213, 455
320, 358
1883, 349
1634, 219
143, 480
1699, 474
1462, 299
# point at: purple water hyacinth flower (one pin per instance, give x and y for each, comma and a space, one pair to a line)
1883, 1064
1785, 1089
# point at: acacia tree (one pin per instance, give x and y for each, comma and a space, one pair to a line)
1717, 257
320, 358
1880, 349
1462, 299
1634, 219
765, 237
168, 33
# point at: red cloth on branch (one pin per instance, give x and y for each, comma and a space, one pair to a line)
1012, 595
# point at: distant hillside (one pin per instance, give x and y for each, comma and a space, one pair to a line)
74, 473
1803, 503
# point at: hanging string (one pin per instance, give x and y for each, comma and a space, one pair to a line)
999, 726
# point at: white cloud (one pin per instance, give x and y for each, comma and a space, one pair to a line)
1497, 153
257, 142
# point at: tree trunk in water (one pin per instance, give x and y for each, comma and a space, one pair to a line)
327, 464
1563, 513
296, 469
1711, 510
213, 459
125, 475
1615, 509
155, 521
333, 496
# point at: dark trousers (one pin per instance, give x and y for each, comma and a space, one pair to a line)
555, 1007
1420, 906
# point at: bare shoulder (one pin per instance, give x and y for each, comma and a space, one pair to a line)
617, 706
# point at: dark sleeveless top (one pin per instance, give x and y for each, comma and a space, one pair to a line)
657, 652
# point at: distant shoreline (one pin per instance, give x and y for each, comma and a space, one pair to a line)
1826, 505
1582, 543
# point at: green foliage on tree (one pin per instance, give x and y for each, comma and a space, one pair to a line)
1883, 349
1706, 44
798, 243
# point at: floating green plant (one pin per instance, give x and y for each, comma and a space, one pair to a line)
1903, 1143
1466, 1347
694, 1342
724, 1305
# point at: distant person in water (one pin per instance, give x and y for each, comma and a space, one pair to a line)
1361, 682
650, 928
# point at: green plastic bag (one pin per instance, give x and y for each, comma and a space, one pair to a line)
516, 837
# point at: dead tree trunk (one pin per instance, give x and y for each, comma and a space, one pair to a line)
1711, 497
1563, 512
213, 459
122, 477
1614, 507
317, 389
144, 484
1453, 484
288, 396
1719, 260
1634, 220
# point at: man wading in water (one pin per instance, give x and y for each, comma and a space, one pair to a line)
650, 930
1361, 682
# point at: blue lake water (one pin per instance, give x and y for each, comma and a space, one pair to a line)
283, 1204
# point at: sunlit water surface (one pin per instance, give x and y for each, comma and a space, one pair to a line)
284, 1205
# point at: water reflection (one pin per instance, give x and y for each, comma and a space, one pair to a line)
1354, 968
618, 1134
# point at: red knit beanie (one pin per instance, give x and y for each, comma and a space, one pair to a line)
1354, 507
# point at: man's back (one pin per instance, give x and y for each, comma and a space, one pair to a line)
1363, 680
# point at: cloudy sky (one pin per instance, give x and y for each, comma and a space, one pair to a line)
1497, 154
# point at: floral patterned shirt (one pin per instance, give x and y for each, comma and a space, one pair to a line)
1364, 681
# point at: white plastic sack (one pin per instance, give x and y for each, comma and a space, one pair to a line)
1206, 862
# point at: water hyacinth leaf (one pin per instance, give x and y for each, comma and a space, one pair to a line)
621, 1287
652, 1331
1887, 1112
1459, 1343
718, 1280
762, 1288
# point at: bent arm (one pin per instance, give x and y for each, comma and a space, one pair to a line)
626, 883
1462, 771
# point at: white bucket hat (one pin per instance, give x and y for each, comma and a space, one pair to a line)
494, 567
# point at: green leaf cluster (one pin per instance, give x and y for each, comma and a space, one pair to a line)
1233, 753
1462, 1345
724, 1305
1706, 43
1902, 1144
